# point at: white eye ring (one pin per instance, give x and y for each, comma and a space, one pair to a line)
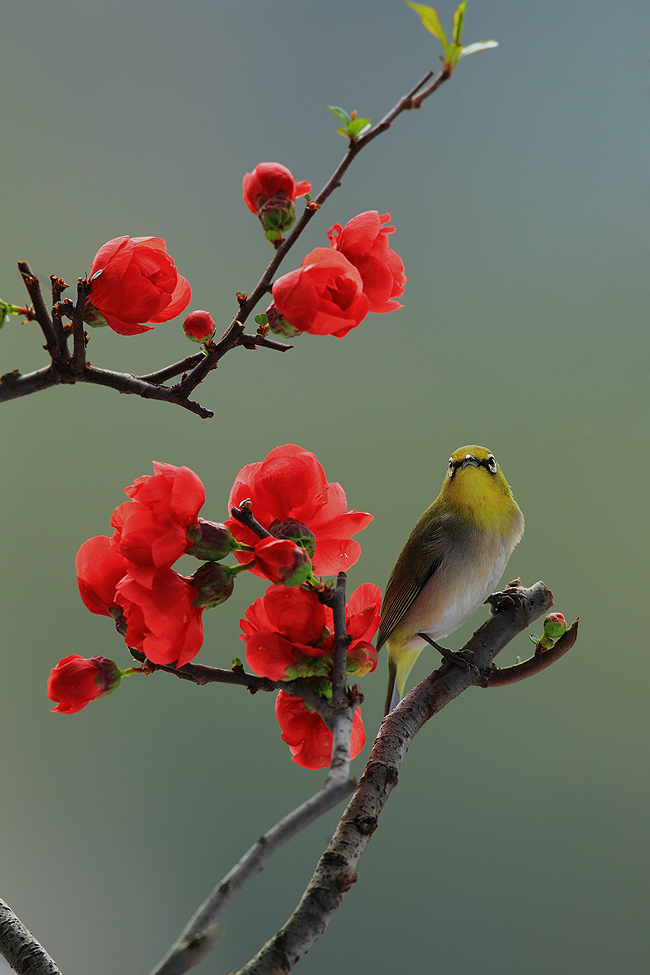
492, 464
450, 469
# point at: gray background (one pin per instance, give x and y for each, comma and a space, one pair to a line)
517, 840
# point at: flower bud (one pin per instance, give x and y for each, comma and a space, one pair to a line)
77, 680
214, 583
210, 540
295, 530
281, 560
198, 326
554, 626
278, 324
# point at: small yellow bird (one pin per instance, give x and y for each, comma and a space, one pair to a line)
452, 560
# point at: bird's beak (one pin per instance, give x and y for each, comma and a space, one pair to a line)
469, 461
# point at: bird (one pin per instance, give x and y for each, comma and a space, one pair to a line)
451, 562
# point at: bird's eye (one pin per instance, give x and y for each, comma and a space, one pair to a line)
450, 469
492, 464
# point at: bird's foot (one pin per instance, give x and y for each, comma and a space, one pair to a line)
460, 658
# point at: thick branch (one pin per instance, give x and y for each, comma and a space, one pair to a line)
20, 948
336, 870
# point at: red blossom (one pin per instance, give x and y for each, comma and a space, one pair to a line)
269, 181
151, 529
324, 296
364, 241
76, 681
161, 618
100, 566
289, 493
138, 283
289, 633
308, 737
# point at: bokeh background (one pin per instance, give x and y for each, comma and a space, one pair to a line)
517, 840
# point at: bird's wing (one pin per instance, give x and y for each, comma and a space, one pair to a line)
422, 555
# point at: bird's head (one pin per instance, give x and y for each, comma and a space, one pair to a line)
475, 488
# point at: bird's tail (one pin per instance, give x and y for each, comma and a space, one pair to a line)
400, 662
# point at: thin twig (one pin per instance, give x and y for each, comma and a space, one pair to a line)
501, 676
405, 103
41, 314
336, 870
20, 948
78, 335
336, 602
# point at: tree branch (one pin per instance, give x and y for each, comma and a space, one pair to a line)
336, 870
500, 676
20, 948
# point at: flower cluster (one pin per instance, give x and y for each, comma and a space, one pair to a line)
307, 531
337, 286
130, 575
289, 634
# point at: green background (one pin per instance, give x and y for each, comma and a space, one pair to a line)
517, 840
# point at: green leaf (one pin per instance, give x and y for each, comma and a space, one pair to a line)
344, 132
459, 17
357, 126
429, 18
261, 320
473, 48
340, 113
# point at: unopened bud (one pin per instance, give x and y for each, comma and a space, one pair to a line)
214, 584
298, 532
198, 326
554, 626
281, 560
210, 540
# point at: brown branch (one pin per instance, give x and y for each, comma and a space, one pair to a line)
78, 334
354, 148
20, 948
336, 870
41, 314
500, 676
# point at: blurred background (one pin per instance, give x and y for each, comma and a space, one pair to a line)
517, 840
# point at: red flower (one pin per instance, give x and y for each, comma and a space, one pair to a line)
291, 496
281, 560
268, 181
138, 283
364, 241
76, 681
324, 296
308, 737
152, 528
289, 633
198, 326
99, 568
161, 618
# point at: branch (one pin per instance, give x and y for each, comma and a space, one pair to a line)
500, 676
20, 948
201, 370
336, 870
41, 314
202, 934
